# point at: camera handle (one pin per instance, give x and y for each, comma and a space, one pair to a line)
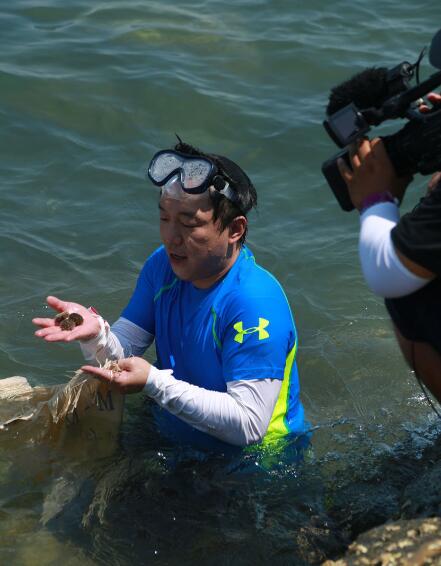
338, 185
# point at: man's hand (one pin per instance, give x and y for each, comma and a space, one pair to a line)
372, 172
51, 332
131, 379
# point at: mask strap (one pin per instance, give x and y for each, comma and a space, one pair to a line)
228, 192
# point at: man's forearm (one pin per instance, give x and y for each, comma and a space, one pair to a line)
122, 340
239, 416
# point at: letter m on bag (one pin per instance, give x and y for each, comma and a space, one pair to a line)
104, 404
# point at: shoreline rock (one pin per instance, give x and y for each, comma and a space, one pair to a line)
415, 542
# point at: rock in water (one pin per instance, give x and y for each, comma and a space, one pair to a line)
416, 542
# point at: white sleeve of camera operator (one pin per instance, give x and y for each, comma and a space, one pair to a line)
384, 273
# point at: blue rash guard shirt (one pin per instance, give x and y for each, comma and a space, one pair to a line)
240, 328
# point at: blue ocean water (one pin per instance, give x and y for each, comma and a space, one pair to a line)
88, 92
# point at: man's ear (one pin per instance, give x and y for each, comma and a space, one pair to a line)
237, 229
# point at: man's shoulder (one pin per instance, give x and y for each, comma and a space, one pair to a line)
254, 309
256, 280
252, 287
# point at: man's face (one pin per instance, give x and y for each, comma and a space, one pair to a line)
197, 250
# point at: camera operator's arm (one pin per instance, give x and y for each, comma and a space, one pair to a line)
373, 186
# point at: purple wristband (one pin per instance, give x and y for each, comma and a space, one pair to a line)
376, 198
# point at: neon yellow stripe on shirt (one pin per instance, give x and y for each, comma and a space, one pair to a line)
277, 426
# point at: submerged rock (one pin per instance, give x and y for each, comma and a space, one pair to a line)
389, 508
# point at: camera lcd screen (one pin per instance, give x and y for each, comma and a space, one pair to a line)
345, 124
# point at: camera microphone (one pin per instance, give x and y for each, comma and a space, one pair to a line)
367, 89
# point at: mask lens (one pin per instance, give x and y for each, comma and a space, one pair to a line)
164, 164
195, 172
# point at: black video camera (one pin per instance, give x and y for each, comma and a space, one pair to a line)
379, 94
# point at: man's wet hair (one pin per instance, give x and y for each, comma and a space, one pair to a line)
223, 208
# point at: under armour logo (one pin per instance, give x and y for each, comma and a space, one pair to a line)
263, 323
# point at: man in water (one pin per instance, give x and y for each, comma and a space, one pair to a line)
401, 258
224, 333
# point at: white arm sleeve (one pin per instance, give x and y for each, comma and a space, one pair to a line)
384, 273
239, 416
122, 340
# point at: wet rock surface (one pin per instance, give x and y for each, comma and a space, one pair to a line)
415, 542
392, 515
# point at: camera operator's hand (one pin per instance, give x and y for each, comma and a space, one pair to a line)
434, 180
435, 99
372, 172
